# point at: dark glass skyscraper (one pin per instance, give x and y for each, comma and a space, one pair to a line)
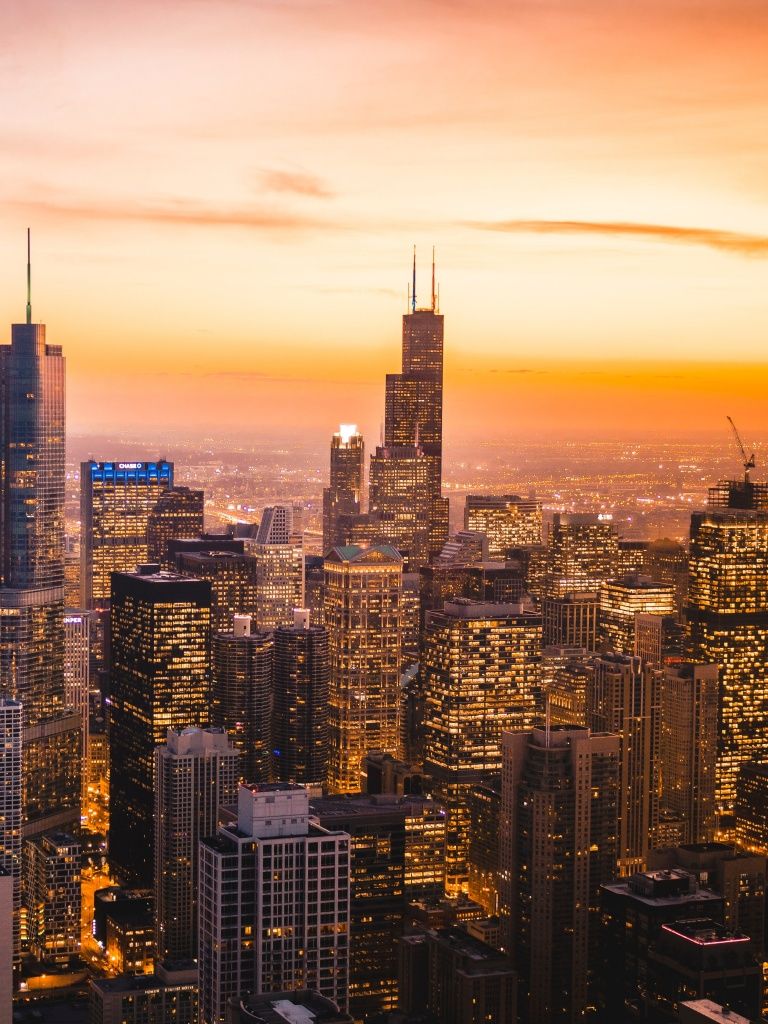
179, 513
241, 668
160, 680
414, 404
32, 428
301, 681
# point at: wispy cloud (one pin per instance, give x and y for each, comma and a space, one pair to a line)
295, 182
736, 242
179, 212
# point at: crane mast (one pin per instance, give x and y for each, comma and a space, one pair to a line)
747, 462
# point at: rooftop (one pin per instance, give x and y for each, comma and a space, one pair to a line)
466, 944
299, 1007
703, 931
354, 553
668, 887
140, 982
708, 1010
343, 806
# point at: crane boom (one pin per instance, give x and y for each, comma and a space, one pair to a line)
747, 462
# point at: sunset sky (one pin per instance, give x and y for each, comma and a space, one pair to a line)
223, 196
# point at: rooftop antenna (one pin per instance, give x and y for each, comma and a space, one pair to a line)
29, 277
413, 290
433, 279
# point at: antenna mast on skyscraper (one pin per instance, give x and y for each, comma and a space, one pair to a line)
29, 277
413, 290
433, 279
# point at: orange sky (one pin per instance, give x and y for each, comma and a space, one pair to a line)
223, 195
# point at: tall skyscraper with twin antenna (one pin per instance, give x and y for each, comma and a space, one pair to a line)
32, 572
414, 401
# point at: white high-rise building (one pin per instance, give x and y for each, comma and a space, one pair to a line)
79, 636
276, 526
274, 902
196, 772
7, 894
10, 807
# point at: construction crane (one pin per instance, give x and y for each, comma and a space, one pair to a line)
747, 463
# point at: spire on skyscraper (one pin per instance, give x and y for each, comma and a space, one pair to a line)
413, 290
433, 279
29, 279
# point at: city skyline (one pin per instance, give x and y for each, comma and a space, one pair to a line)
221, 229
323, 698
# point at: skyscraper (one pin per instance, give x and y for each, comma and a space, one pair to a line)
667, 560
300, 712
242, 691
484, 805
751, 807
234, 582
571, 621
196, 772
32, 428
622, 600
168, 995
52, 864
480, 676
274, 903
178, 513
469, 982
11, 719
160, 680
278, 525
582, 553
116, 500
414, 403
344, 494
79, 639
397, 849
624, 699
560, 796
279, 581
634, 912
7, 952
401, 502
689, 747
363, 588
727, 619
507, 520
565, 672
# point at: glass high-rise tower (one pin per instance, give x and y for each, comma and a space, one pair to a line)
160, 680
32, 573
116, 502
343, 496
363, 616
727, 621
414, 404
